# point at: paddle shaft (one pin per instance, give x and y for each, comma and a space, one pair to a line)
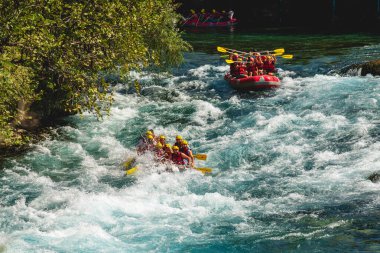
242, 52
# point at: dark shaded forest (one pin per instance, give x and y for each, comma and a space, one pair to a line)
356, 15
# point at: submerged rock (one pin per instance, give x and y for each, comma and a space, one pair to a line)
362, 69
375, 177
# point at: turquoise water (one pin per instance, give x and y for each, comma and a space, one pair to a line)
290, 166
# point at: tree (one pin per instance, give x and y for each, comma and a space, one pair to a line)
54, 50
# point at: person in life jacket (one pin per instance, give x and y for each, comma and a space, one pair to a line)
241, 69
233, 66
184, 148
162, 140
251, 66
193, 17
159, 152
178, 157
178, 141
151, 143
271, 69
230, 14
168, 152
265, 63
141, 146
259, 63
152, 133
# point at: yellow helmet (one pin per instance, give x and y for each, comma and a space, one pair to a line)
150, 137
148, 132
162, 137
167, 145
159, 145
178, 137
184, 142
175, 148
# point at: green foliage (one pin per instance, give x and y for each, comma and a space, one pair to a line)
15, 86
55, 49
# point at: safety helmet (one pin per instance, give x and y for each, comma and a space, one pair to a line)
178, 137
159, 145
148, 132
184, 142
150, 137
167, 145
175, 148
162, 137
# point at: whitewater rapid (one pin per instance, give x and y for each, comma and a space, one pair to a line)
290, 169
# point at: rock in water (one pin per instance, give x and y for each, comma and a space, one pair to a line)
374, 177
371, 67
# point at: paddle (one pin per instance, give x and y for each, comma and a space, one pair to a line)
203, 170
228, 50
285, 56
200, 156
131, 171
129, 162
227, 56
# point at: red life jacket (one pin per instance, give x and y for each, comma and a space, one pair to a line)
259, 65
185, 150
177, 158
159, 152
251, 66
271, 67
242, 70
267, 67
234, 69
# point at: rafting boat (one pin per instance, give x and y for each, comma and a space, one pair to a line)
196, 23
130, 167
253, 83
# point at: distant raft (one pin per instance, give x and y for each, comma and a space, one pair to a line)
196, 23
253, 83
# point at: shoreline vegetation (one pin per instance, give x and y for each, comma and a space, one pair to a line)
52, 54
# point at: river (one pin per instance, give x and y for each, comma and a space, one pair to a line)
290, 166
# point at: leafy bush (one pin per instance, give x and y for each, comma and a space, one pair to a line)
52, 51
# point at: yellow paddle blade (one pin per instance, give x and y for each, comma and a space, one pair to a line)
287, 56
129, 162
221, 49
229, 61
131, 171
204, 170
279, 50
200, 156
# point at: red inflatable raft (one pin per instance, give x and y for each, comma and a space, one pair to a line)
253, 83
196, 23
